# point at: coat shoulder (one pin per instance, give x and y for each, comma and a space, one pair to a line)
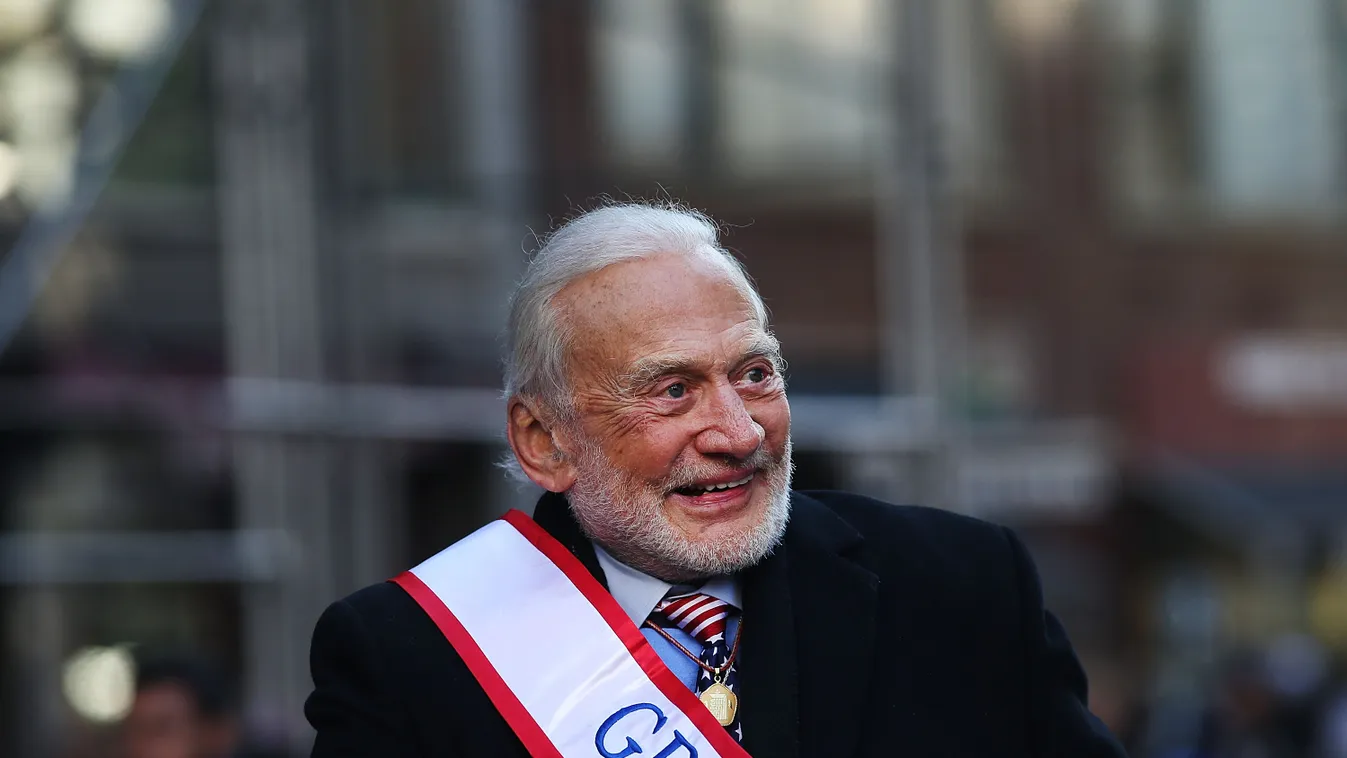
389, 616
379, 599
935, 543
876, 519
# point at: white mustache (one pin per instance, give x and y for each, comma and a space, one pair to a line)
690, 474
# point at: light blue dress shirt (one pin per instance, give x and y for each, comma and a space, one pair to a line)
638, 594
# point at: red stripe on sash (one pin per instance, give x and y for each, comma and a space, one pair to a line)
516, 715
636, 643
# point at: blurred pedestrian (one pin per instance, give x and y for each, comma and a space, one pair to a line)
183, 708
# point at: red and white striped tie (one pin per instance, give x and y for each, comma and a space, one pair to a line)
703, 617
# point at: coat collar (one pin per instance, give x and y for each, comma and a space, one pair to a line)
553, 514
809, 615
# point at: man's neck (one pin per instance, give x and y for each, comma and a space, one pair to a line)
650, 569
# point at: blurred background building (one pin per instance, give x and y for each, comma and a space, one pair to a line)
1076, 266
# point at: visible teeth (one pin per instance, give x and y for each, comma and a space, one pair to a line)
727, 485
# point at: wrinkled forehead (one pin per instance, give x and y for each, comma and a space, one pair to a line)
663, 305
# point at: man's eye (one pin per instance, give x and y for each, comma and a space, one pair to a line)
756, 375
676, 390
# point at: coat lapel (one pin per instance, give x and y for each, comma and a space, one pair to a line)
809, 612
769, 706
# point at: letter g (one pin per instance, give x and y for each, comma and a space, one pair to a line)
632, 746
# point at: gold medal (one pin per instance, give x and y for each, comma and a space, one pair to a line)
721, 702
718, 699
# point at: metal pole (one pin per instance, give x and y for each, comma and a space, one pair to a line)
918, 148
268, 226
495, 63
916, 297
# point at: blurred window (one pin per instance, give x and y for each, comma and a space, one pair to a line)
401, 102
766, 90
972, 55
1233, 106
799, 84
92, 464
644, 70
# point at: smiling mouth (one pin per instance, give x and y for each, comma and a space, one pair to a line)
696, 490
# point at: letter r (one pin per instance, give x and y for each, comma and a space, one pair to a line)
678, 741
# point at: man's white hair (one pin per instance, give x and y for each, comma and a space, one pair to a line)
538, 337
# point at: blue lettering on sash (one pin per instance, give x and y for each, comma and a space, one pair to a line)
633, 747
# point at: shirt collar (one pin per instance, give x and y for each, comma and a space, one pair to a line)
638, 593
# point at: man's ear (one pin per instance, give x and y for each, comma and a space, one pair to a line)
535, 446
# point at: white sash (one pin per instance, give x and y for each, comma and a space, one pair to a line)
558, 657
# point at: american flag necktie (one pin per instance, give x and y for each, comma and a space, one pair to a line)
704, 618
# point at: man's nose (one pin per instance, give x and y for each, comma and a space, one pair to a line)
730, 429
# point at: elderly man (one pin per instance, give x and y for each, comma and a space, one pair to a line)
671, 595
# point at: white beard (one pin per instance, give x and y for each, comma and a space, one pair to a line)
625, 515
